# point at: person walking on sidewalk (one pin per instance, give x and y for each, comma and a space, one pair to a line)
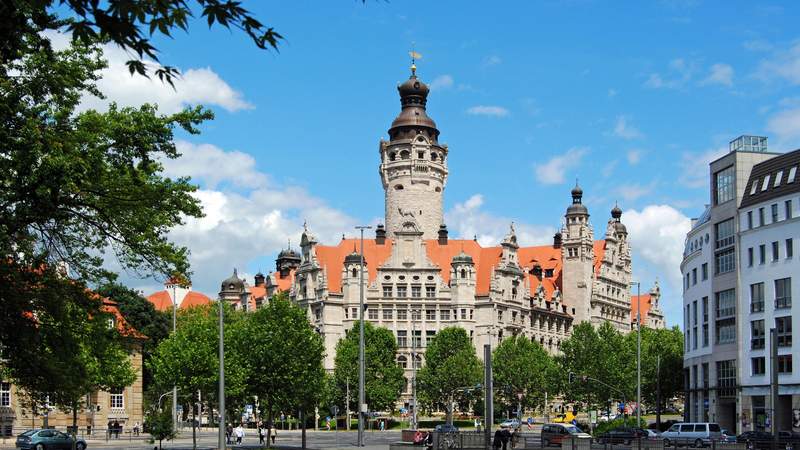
228, 433
239, 434
261, 432
273, 434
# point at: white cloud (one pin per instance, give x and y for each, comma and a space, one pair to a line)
784, 64
694, 166
210, 166
634, 156
195, 86
677, 75
785, 125
624, 130
491, 111
467, 220
657, 234
442, 82
492, 60
554, 170
243, 226
719, 74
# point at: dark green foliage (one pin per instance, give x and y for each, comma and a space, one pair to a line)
384, 379
130, 24
522, 366
451, 370
141, 315
159, 425
76, 187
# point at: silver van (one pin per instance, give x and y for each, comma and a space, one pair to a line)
694, 434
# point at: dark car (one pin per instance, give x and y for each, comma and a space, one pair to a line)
446, 428
48, 440
755, 439
622, 435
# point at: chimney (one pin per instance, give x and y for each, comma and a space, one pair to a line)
380, 234
442, 234
557, 240
260, 279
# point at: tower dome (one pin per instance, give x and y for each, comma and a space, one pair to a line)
354, 258
413, 118
232, 283
616, 213
462, 258
577, 207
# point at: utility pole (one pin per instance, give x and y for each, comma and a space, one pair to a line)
488, 396
658, 392
174, 328
347, 402
361, 362
638, 353
221, 428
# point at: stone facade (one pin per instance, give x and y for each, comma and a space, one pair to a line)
124, 406
418, 281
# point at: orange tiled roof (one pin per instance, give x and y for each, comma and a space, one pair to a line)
643, 301
162, 301
485, 258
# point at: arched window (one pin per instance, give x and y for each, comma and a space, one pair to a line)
355, 272
463, 273
434, 156
438, 189
402, 361
404, 154
392, 156
398, 187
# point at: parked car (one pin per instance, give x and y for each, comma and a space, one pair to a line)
510, 423
755, 439
621, 435
665, 425
48, 439
694, 434
445, 428
556, 433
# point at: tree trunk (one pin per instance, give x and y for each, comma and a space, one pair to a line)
270, 424
74, 425
159, 444
303, 433
449, 410
194, 429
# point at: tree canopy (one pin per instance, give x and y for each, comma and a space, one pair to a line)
451, 370
520, 366
130, 24
77, 187
384, 380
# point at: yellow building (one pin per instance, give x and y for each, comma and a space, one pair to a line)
124, 406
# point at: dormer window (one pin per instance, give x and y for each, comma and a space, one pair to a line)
548, 273
792, 173
355, 272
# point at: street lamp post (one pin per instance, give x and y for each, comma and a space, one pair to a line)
221, 422
361, 393
638, 352
174, 327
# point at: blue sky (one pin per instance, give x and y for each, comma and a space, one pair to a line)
632, 98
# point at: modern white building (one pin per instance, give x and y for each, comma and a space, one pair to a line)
769, 278
717, 276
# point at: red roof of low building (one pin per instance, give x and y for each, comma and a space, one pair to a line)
162, 301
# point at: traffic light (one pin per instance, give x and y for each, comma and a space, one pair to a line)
570, 377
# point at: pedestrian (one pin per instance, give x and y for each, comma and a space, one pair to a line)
261, 432
498, 439
228, 433
383, 424
110, 429
239, 434
136, 428
514, 439
505, 436
117, 428
273, 434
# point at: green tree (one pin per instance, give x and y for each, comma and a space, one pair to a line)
520, 366
130, 25
602, 354
451, 368
383, 377
281, 357
667, 346
159, 425
76, 187
189, 358
143, 316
